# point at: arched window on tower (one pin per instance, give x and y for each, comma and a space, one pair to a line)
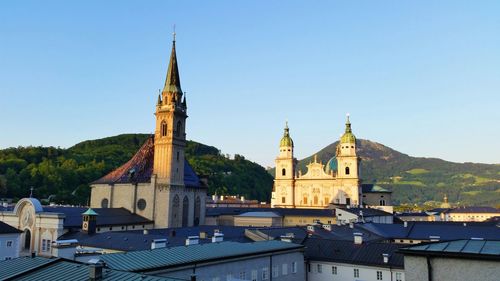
283, 172
347, 170
175, 211
197, 210
185, 212
178, 130
163, 128
382, 202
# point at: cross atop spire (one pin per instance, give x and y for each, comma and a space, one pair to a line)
174, 33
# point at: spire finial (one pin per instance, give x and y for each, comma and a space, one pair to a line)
173, 34
347, 115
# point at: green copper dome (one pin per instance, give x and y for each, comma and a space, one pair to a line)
348, 136
286, 140
331, 165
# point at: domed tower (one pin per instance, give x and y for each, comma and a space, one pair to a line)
283, 193
348, 164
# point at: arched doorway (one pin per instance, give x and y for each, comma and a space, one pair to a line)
27, 239
185, 211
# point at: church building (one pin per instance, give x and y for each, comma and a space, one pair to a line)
322, 186
158, 183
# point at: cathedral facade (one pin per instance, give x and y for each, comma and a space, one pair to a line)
322, 186
158, 183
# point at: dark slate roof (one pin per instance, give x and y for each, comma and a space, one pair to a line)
38, 268
135, 240
186, 255
371, 188
140, 168
7, 229
367, 212
483, 249
474, 210
219, 211
274, 233
369, 254
415, 214
423, 230
106, 217
345, 233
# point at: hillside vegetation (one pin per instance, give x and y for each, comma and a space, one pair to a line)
63, 175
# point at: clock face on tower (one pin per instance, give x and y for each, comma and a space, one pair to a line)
85, 225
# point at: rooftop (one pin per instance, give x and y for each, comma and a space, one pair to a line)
369, 254
473, 248
7, 229
54, 269
140, 261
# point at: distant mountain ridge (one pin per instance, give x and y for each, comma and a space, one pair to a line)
418, 179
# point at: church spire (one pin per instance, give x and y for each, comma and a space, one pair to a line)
173, 82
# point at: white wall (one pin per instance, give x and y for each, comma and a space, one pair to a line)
345, 272
13, 250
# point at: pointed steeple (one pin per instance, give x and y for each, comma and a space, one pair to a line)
286, 140
348, 136
348, 125
173, 82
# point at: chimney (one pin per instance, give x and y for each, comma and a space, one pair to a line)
385, 257
242, 199
95, 272
203, 235
193, 277
218, 237
358, 238
405, 224
192, 240
158, 244
287, 237
145, 232
33, 254
351, 225
310, 228
327, 227
214, 198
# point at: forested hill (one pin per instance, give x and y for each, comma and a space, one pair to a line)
64, 174
419, 180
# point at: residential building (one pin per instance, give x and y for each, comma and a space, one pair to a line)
470, 214
352, 215
345, 260
9, 242
459, 260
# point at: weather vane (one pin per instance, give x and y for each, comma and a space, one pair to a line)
174, 32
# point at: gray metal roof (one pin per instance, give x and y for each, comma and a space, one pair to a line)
7, 229
464, 248
39, 268
260, 215
184, 255
13, 267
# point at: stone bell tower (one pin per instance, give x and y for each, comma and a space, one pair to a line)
283, 192
348, 165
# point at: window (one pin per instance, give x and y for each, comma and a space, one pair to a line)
45, 245
319, 268
327, 200
356, 273
399, 276
283, 172
141, 204
304, 200
265, 273
163, 128
243, 275
283, 200
315, 200
276, 271
9, 244
334, 270
254, 275
347, 170
104, 203
8, 258
382, 202
179, 129
379, 275
294, 267
178, 156
284, 269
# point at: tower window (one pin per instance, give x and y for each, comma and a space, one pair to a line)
382, 202
283, 200
283, 172
179, 129
163, 129
347, 170
178, 156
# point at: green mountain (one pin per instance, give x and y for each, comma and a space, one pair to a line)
419, 180
64, 174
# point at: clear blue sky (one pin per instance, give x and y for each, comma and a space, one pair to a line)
422, 77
